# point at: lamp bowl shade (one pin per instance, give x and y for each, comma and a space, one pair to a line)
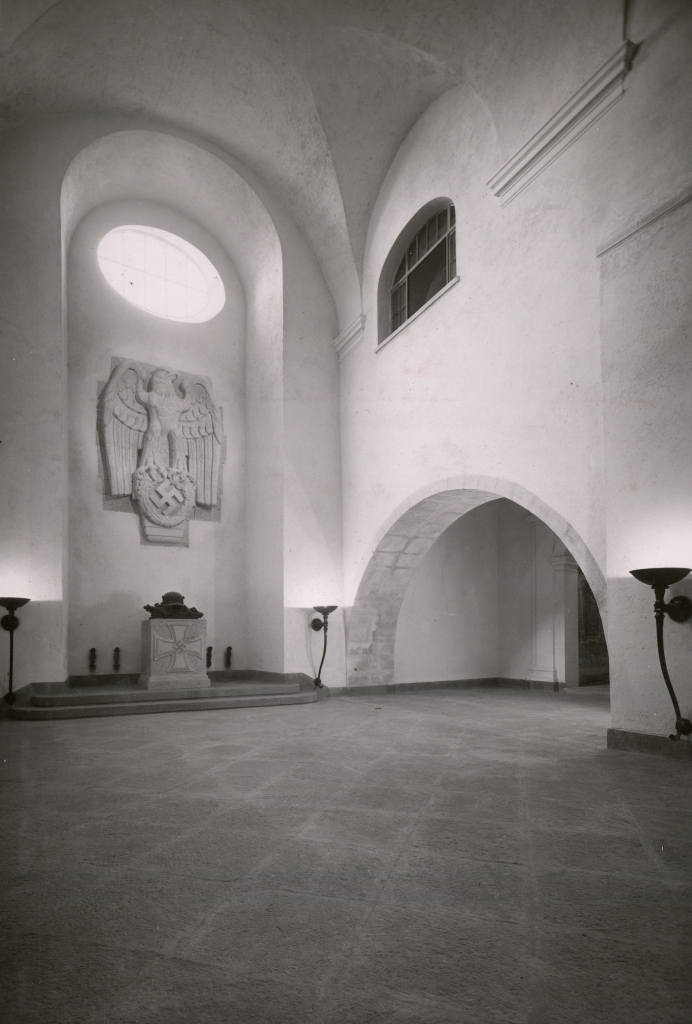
326, 609
12, 603
660, 577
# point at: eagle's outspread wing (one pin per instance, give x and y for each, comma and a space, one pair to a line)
202, 427
123, 423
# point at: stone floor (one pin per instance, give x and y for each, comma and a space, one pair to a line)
438, 858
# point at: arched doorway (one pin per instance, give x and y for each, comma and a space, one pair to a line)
403, 543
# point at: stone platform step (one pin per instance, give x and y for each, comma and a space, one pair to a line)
51, 703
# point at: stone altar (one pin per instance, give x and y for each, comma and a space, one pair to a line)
173, 646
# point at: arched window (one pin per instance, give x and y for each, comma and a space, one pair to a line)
428, 264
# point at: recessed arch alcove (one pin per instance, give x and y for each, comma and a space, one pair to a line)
233, 569
405, 539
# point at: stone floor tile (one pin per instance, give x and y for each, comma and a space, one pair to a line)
326, 869
607, 817
676, 856
277, 934
176, 991
47, 979
430, 953
383, 1006
635, 908
101, 842
258, 816
138, 911
211, 854
384, 830
472, 805
487, 840
301, 792
592, 850
480, 888
385, 798
587, 977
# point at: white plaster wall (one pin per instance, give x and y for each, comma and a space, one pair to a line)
32, 401
516, 569
647, 369
502, 375
112, 574
312, 533
448, 623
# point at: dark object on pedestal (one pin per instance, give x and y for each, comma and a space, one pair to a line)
116, 659
209, 653
227, 657
10, 623
172, 607
317, 624
680, 610
92, 659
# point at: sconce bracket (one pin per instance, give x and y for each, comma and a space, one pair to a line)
317, 624
9, 622
679, 608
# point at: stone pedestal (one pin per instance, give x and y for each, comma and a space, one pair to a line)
174, 654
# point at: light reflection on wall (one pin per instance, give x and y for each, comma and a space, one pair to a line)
19, 578
661, 538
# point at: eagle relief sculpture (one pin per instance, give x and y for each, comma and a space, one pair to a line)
163, 439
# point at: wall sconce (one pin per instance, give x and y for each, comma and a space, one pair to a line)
318, 624
680, 610
10, 623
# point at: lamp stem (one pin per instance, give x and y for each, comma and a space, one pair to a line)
10, 694
325, 627
659, 614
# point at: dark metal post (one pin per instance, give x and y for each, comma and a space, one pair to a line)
683, 726
10, 622
10, 695
317, 624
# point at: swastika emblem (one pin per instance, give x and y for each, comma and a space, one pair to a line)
167, 497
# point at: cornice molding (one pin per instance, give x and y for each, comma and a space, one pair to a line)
350, 338
650, 218
577, 115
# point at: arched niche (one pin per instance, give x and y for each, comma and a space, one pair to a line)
150, 177
403, 542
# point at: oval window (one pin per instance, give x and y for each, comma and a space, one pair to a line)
161, 273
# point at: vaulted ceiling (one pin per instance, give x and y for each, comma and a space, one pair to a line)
314, 96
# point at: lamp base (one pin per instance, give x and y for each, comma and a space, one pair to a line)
683, 727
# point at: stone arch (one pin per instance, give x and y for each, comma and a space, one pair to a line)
404, 540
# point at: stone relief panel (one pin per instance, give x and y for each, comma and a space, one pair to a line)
162, 445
